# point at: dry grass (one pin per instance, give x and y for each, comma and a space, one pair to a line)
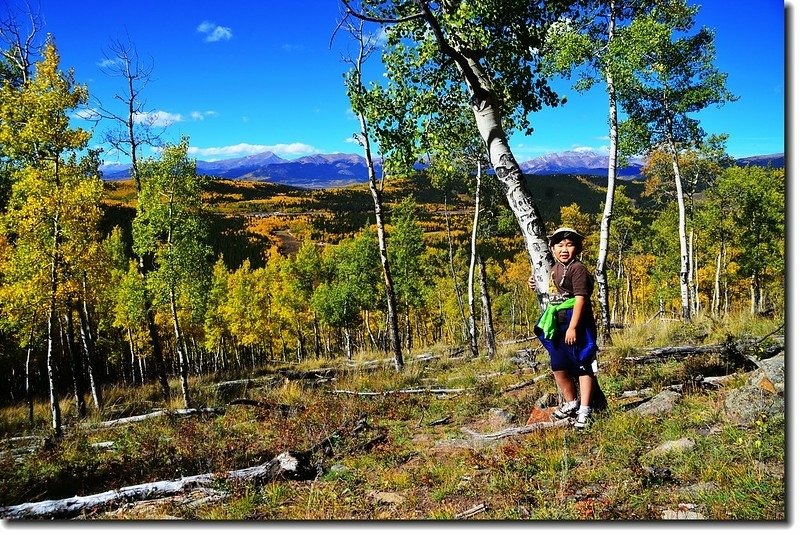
404, 468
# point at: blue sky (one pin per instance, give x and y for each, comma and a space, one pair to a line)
241, 77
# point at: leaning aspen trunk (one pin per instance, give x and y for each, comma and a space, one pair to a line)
473, 334
180, 349
488, 322
608, 209
686, 309
489, 122
519, 199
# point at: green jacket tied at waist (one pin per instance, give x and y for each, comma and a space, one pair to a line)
547, 323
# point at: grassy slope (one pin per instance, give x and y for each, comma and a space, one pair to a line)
402, 467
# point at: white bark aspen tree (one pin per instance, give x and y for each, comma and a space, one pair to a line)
52, 326
686, 310
457, 288
28, 358
489, 122
89, 347
488, 322
608, 208
473, 334
391, 301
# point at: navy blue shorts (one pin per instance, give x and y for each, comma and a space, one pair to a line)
577, 359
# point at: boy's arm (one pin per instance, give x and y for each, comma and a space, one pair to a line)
571, 335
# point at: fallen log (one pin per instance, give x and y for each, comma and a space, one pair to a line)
662, 354
512, 431
472, 511
289, 465
523, 384
155, 414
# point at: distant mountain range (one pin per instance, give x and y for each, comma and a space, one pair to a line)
328, 170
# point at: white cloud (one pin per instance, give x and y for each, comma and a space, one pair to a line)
201, 115
157, 118
214, 33
109, 63
245, 149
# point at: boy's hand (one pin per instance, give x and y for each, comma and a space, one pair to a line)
571, 336
532, 282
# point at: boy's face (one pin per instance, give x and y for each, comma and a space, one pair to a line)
565, 250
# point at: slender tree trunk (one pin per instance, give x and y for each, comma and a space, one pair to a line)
76, 363
608, 209
180, 349
488, 322
155, 341
686, 310
716, 299
459, 297
348, 344
133, 359
473, 334
90, 349
317, 342
28, 386
391, 301
693, 297
52, 326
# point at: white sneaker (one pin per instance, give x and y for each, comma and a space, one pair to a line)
583, 420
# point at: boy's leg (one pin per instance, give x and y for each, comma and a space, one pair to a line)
586, 383
566, 385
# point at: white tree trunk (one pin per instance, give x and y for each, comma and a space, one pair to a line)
686, 310
473, 332
488, 322
180, 348
608, 209
519, 199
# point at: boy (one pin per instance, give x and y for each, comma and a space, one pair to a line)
567, 328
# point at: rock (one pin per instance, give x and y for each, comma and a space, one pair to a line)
338, 468
699, 489
663, 403
389, 498
502, 415
680, 445
761, 396
548, 400
681, 514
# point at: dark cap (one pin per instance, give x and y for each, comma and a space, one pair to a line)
564, 233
